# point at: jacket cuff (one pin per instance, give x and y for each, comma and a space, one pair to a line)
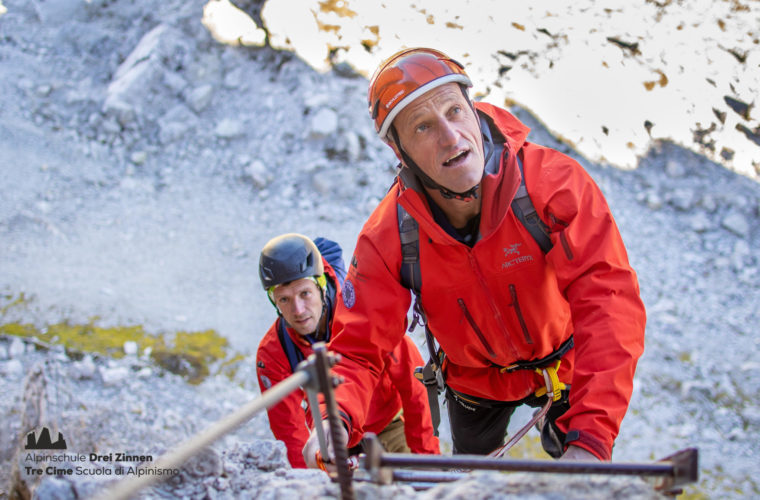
589, 443
345, 419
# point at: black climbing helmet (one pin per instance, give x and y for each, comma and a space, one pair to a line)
287, 258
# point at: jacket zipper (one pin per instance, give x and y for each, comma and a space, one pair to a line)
520, 318
475, 327
494, 308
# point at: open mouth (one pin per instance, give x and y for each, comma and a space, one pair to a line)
457, 158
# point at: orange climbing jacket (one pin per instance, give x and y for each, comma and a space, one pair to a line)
503, 301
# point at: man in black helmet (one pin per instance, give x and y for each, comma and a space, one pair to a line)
302, 279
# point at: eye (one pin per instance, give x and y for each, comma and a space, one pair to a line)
421, 128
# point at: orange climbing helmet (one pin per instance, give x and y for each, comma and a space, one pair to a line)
405, 76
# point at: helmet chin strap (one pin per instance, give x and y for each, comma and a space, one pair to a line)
319, 323
321, 316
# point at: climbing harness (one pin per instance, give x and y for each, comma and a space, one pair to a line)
553, 391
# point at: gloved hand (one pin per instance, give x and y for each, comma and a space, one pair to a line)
579, 454
311, 448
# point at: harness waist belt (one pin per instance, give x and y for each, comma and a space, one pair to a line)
543, 362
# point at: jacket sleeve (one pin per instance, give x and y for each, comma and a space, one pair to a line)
602, 289
287, 419
418, 424
370, 320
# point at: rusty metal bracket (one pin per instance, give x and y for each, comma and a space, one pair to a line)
671, 473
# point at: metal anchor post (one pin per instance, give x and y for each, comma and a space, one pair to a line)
322, 364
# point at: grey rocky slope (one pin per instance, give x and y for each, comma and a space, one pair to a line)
128, 406
144, 165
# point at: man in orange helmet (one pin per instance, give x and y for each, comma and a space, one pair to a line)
516, 261
302, 279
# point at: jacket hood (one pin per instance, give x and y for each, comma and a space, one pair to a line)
515, 131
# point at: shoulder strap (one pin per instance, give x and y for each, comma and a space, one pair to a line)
293, 353
409, 233
411, 277
431, 375
523, 208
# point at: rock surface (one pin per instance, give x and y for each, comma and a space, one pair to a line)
145, 164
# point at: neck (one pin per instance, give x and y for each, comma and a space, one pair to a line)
457, 212
321, 332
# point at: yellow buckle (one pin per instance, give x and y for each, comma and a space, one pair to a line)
553, 384
505, 369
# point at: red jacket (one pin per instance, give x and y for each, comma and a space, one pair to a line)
397, 389
503, 300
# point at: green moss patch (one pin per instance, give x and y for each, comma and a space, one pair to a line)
193, 355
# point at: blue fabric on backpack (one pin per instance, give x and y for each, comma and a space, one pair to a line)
333, 254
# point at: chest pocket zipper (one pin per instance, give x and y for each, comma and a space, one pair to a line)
475, 327
516, 304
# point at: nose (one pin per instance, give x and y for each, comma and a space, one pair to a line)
447, 133
299, 306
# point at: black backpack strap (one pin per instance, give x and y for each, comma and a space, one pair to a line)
293, 353
409, 232
431, 375
411, 277
523, 208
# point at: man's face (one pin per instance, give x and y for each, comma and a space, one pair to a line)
300, 303
440, 132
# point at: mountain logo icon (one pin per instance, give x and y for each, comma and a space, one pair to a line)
43, 442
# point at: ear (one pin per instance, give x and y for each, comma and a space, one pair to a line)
389, 139
393, 146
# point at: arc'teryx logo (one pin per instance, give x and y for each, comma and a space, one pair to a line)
512, 249
44, 442
514, 257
